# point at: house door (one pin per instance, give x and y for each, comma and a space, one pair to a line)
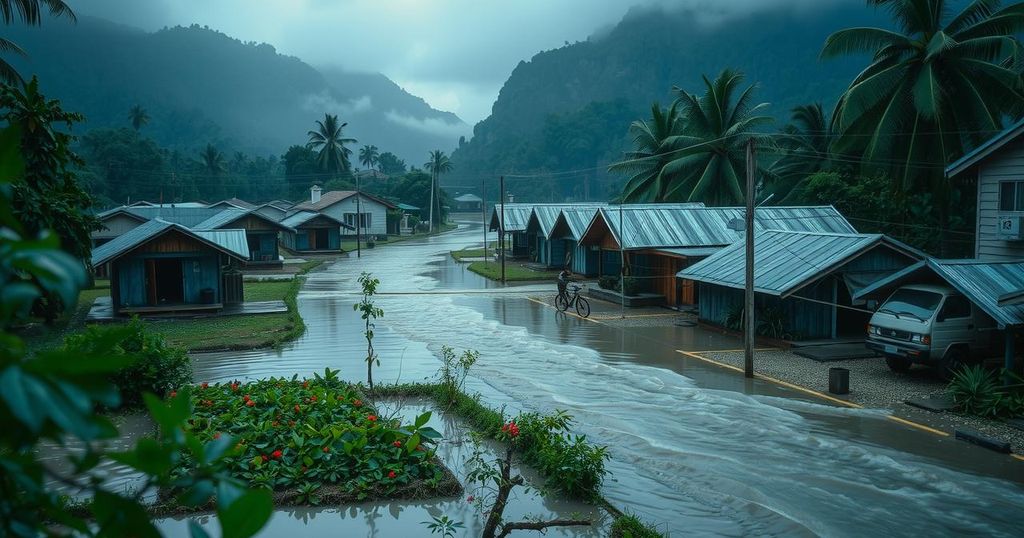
311, 240
321, 239
165, 282
253, 242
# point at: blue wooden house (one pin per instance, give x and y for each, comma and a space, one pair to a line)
510, 220
313, 232
807, 280
262, 233
557, 236
162, 266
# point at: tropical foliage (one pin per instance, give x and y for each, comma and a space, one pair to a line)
938, 85
804, 149
369, 156
706, 161
138, 117
29, 12
369, 312
329, 141
290, 433
651, 151
438, 164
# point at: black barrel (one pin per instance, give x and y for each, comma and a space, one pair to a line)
838, 380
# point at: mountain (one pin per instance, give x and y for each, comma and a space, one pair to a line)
570, 108
199, 85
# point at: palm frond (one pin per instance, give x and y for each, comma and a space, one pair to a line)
861, 40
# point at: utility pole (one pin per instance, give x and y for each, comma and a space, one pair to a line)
359, 219
502, 186
483, 214
431, 227
622, 266
748, 310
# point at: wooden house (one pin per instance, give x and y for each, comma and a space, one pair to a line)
161, 266
561, 249
807, 280
342, 206
313, 232
510, 220
998, 167
262, 233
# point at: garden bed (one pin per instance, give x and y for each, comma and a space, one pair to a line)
514, 272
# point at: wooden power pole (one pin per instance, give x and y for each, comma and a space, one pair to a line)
502, 186
748, 310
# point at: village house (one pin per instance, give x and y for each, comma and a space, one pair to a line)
805, 283
342, 206
162, 267
561, 250
232, 203
262, 233
510, 221
313, 232
657, 241
469, 203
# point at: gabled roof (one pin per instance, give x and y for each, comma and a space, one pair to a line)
786, 261
545, 216
229, 216
234, 202
1011, 298
407, 207
990, 146
330, 198
186, 216
651, 226
122, 211
468, 198
510, 217
298, 219
230, 242
984, 283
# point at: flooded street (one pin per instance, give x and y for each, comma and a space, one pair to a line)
695, 449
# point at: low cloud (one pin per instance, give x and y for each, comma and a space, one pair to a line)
435, 126
325, 102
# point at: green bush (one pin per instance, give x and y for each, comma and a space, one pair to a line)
568, 462
632, 285
159, 369
976, 391
630, 526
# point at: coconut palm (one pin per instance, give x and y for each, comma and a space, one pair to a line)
937, 85
437, 165
138, 117
804, 145
650, 154
212, 160
707, 162
369, 156
329, 141
30, 12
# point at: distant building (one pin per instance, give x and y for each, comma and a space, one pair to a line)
998, 166
313, 232
262, 233
342, 206
468, 203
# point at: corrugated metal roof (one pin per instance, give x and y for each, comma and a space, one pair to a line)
468, 198
407, 207
784, 261
545, 216
980, 281
298, 219
186, 216
671, 226
516, 217
577, 219
691, 252
1011, 298
231, 241
227, 216
330, 198
989, 147
237, 203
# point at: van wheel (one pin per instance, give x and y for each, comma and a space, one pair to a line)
952, 362
898, 364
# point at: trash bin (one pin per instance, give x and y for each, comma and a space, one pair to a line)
207, 295
838, 380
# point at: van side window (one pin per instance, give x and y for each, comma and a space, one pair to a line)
956, 306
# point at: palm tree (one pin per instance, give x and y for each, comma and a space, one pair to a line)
369, 156
138, 116
805, 145
939, 84
212, 160
330, 142
650, 154
30, 12
437, 165
707, 161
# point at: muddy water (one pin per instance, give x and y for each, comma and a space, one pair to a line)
694, 448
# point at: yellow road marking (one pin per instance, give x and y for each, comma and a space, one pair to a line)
1018, 456
733, 350
917, 425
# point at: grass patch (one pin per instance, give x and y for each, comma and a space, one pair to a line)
514, 272
40, 336
266, 291
630, 526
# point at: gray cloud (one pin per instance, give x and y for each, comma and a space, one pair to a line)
436, 126
454, 53
324, 101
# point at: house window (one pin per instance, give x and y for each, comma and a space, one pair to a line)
1011, 196
364, 219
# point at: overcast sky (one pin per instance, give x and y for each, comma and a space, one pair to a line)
456, 54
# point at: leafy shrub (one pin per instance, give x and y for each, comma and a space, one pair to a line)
453, 372
568, 462
608, 283
632, 285
770, 322
630, 526
160, 368
976, 391
294, 432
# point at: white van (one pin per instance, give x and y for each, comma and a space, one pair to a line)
929, 324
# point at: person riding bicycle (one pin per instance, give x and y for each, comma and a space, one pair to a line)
563, 282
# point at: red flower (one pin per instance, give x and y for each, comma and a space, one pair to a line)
398, 444
216, 435
313, 398
205, 385
234, 386
174, 393
297, 410
264, 457
392, 474
305, 384
249, 403
276, 454
511, 429
327, 449
470, 499
341, 398
357, 403
246, 397
371, 418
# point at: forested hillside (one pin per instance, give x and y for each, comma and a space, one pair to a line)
199, 86
570, 108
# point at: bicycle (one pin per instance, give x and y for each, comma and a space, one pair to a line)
563, 301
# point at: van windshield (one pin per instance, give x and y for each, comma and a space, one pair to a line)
918, 304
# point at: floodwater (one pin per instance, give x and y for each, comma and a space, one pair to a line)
694, 448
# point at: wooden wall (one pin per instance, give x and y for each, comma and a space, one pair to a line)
1005, 165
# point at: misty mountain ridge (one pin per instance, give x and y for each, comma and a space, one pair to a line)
199, 85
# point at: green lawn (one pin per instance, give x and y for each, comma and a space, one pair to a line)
461, 255
266, 291
513, 272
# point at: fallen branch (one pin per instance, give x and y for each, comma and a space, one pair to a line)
541, 525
